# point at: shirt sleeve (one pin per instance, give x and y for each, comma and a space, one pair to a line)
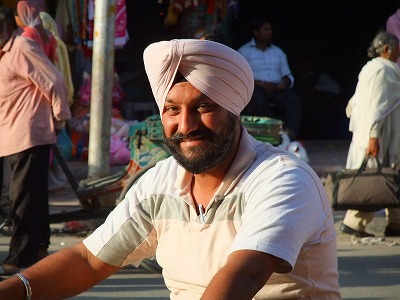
282, 216
285, 70
381, 84
49, 81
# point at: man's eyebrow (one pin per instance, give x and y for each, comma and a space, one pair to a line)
200, 98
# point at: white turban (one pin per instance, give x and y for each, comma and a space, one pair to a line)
219, 72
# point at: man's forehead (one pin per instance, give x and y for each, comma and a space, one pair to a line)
201, 97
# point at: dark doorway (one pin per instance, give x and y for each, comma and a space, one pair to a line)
335, 33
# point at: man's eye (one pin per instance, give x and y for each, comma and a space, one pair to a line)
204, 106
172, 108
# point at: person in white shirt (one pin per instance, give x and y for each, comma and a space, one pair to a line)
273, 94
374, 112
227, 216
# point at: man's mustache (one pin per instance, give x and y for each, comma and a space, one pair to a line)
197, 134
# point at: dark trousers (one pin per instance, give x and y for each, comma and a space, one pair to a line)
1, 177
29, 205
1, 173
5, 203
285, 105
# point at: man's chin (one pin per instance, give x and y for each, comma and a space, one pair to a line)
195, 168
192, 150
189, 156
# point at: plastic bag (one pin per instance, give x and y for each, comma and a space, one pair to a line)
65, 145
119, 152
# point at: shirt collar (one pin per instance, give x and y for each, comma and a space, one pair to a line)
253, 44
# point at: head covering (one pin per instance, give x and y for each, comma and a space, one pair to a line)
28, 13
219, 72
49, 23
62, 62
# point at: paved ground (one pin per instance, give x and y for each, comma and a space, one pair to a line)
367, 271
368, 268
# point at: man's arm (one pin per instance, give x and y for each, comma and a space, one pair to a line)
244, 274
286, 73
284, 83
270, 87
64, 274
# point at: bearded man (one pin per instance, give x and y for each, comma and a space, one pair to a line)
227, 216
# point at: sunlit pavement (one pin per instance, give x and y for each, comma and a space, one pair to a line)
368, 268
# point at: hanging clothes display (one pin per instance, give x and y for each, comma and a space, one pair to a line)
69, 16
78, 16
121, 34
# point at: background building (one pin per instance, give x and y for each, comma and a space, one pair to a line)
336, 33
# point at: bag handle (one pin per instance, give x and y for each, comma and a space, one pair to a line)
364, 163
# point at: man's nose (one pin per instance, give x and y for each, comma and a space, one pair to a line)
188, 122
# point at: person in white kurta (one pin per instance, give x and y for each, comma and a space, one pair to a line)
374, 112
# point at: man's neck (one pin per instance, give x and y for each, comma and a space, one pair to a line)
263, 45
205, 185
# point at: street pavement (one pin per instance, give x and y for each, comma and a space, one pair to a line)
368, 268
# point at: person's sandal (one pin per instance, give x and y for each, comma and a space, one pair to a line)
391, 231
346, 229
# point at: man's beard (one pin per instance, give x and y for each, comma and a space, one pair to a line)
204, 158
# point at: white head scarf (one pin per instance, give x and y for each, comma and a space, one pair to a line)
219, 72
28, 12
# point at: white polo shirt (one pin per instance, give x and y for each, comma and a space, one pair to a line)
269, 201
270, 65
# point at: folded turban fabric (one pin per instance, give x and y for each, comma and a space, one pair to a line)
219, 72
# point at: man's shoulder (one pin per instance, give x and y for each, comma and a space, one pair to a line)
277, 49
245, 46
268, 152
20, 39
278, 159
165, 168
25, 44
374, 65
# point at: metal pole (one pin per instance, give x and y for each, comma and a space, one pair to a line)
101, 94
